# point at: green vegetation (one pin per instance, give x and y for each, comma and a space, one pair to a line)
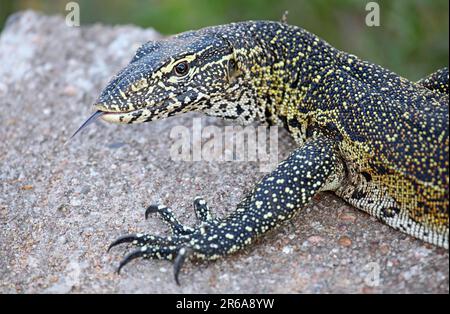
412, 39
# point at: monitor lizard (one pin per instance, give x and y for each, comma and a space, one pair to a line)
374, 138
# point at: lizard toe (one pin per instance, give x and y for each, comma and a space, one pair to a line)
149, 252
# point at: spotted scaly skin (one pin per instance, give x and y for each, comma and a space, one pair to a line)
437, 81
379, 141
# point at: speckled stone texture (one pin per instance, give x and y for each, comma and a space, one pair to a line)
61, 206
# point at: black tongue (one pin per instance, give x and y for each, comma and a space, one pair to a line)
89, 121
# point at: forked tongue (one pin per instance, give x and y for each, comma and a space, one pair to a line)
89, 121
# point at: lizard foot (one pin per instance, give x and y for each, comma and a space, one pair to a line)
276, 198
183, 242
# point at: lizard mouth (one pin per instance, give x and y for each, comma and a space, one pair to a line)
105, 115
131, 116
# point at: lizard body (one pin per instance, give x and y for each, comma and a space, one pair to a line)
379, 141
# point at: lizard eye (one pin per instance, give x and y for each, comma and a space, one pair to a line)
182, 68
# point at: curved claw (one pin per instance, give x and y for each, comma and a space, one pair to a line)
183, 253
150, 210
124, 239
143, 239
131, 256
150, 251
169, 218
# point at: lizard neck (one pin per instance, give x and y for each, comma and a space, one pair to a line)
280, 65
291, 68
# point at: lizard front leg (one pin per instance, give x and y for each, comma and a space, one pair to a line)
276, 198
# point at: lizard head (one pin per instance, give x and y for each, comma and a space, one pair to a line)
192, 71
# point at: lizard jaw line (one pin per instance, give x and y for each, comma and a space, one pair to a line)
132, 116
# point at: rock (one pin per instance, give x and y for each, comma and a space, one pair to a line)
287, 249
348, 217
384, 249
26, 187
314, 240
69, 90
345, 241
86, 193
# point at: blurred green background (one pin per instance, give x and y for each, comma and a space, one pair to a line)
412, 39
